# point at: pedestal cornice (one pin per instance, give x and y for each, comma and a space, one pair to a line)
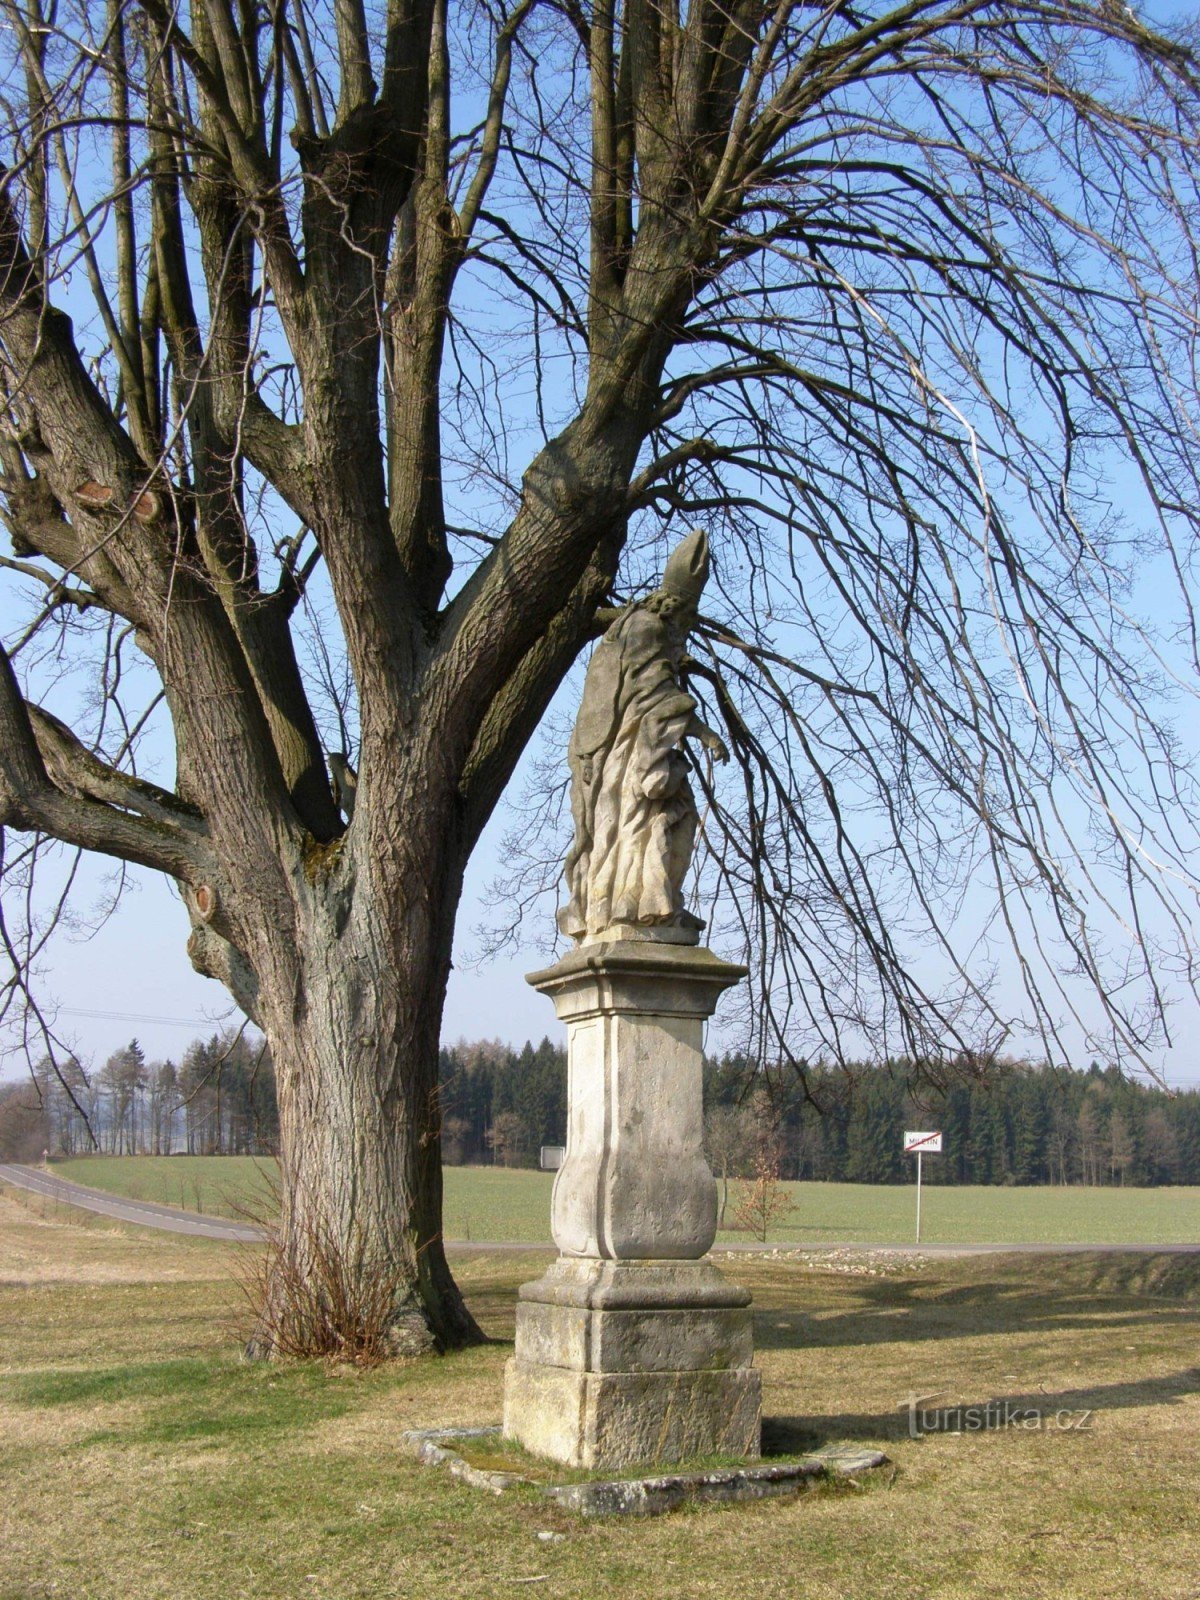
651, 976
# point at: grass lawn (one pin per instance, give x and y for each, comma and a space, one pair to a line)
495, 1203
144, 1460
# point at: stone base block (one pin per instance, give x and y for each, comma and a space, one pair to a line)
623, 1362
608, 1420
715, 1338
634, 1285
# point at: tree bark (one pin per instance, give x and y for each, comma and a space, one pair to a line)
354, 1036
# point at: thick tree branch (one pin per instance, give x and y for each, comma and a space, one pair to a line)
249, 159
493, 127
517, 710
225, 420
77, 770
30, 799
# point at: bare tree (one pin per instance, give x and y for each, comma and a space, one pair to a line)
508, 1138
764, 1201
728, 1146
25, 1131
339, 414
1061, 1143
1121, 1148
1162, 1146
1088, 1143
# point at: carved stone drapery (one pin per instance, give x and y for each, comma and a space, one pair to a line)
632, 805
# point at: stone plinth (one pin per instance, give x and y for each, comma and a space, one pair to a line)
631, 1348
634, 1184
622, 1362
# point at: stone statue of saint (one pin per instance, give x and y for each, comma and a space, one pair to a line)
634, 813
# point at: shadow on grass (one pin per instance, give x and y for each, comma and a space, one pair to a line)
1085, 1293
149, 1380
1064, 1410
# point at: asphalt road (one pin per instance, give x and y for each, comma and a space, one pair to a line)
172, 1220
141, 1212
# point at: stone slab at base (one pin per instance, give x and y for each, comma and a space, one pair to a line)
610, 1420
648, 1496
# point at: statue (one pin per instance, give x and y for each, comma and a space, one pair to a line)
632, 1347
634, 813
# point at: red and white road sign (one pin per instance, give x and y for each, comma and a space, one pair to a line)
924, 1142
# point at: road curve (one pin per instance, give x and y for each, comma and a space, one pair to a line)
141, 1212
145, 1214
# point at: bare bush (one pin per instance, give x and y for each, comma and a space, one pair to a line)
322, 1303
765, 1200
24, 1126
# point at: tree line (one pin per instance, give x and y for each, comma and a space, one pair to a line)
1004, 1122
500, 1104
218, 1099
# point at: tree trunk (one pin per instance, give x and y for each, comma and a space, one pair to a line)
357, 1265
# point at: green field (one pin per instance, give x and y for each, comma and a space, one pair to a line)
221, 1186
143, 1459
512, 1205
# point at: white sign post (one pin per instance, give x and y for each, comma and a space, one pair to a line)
920, 1144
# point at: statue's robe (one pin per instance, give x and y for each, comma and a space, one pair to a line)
634, 814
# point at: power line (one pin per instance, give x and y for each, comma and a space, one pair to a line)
139, 1016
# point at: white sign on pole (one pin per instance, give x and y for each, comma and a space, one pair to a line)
921, 1144
925, 1142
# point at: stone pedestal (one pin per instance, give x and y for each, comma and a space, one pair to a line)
632, 1348
619, 1362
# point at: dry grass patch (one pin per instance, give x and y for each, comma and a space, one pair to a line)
143, 1459
44, 1241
